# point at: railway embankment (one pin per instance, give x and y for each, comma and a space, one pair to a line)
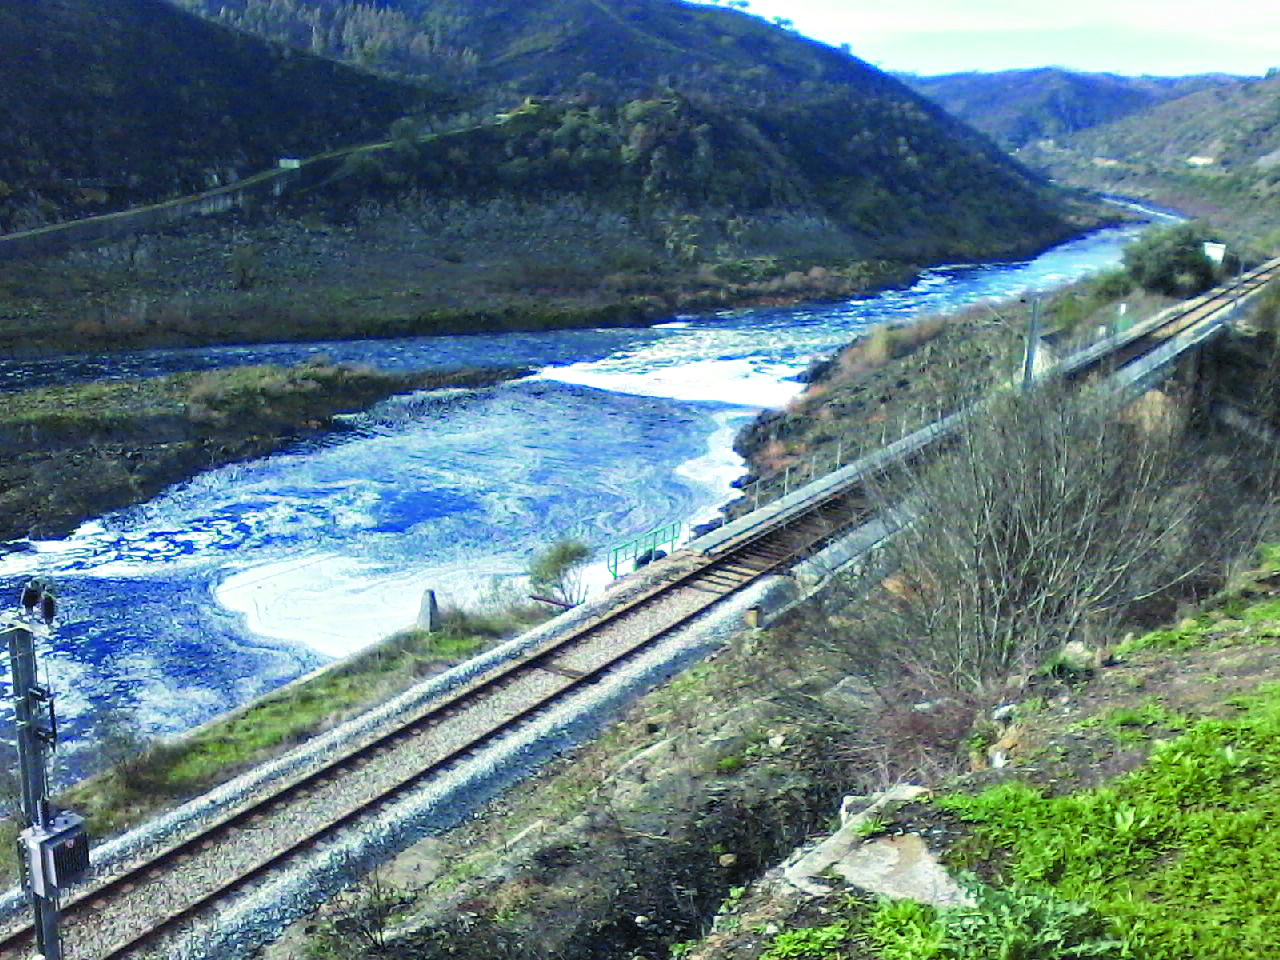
895, 379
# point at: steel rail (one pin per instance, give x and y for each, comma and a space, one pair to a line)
715, 578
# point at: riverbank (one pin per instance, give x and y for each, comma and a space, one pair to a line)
76, 452
422, 267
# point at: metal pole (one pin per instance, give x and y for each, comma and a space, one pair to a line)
1033, 338
35, 784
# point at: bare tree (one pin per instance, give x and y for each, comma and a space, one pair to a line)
1050, 515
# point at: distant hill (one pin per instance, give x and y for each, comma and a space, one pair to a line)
1017, 107
830, 133
1214, 153
108, 104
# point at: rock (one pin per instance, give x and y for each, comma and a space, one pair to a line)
852, 805
728, 859
1079, 657
702, 529
648, 557
998, 752
1076, 655
850, 695
903, 868
1003, 713
819, 369
898, 866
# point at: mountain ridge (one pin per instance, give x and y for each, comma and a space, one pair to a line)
1214, 153
1017, 107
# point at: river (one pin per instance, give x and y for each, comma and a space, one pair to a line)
220, 589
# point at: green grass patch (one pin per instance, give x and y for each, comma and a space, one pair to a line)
1014, 924
1237, 620
1178, 856
1123, 721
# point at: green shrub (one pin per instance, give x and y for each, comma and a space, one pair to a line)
1020, 923
1112, 285
556, 572
810, 943
1171, 261
1266, 310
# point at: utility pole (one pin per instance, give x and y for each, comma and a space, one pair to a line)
53, 851
1033, 341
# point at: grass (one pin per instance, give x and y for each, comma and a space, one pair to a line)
1177, 856
1172, 861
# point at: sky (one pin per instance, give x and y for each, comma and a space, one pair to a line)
1162, 37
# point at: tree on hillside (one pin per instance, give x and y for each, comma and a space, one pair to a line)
1171, 261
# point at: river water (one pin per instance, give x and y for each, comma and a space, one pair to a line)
225, 587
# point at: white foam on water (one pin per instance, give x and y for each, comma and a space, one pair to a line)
741, 381
716, 469
338, 605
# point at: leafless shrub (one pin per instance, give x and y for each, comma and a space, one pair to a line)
1049, 518
360, 920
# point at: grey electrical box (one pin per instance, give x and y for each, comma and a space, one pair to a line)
57, 856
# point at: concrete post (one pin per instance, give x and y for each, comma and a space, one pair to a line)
1033, 340
429, 612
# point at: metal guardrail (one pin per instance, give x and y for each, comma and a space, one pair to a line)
667, 535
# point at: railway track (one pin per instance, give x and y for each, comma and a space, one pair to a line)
126, 913
1148, 335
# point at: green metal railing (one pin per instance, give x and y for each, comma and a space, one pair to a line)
667, 535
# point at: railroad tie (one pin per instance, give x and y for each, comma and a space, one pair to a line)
567, 672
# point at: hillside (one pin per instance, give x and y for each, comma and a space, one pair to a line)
551, 46
1017, 107
1214, 153
111, 104
842, 136
593, 163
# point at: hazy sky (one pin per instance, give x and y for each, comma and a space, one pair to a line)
1119, 36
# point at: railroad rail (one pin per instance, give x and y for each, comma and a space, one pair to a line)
1211, 310
122, 914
